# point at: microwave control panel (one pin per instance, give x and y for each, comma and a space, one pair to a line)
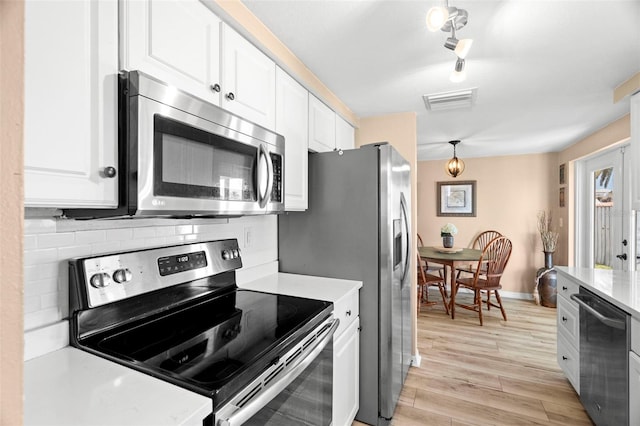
276, 192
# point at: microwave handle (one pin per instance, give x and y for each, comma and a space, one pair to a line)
263, 154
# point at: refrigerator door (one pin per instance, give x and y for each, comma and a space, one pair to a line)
395, 278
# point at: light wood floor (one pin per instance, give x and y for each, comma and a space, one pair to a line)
503, 373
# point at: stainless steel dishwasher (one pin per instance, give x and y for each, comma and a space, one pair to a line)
604, 359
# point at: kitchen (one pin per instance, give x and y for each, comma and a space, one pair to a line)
257, 231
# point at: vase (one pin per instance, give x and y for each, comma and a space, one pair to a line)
547, 279
447, 241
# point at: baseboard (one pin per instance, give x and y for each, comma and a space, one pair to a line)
416, 359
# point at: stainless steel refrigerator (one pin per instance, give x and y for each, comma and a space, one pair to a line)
358, 227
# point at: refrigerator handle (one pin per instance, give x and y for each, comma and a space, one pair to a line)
405, 222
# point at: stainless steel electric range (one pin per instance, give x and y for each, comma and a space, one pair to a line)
175, 313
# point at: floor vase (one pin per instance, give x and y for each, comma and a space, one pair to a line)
547, 281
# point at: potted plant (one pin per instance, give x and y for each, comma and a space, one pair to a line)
447, 232
546, 278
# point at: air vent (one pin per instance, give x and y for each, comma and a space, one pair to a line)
451, 100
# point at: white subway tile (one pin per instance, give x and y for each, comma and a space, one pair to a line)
50, 300
91, 237
201, 229
70, 252
32, 304
30, 242
132, 245
35, 257
42, 318
40, 287
175, 240
165, 231
155, 242
39, 226
184, 229
105, 247
56, 240
119, 234
143, 233
41, 271
190, 238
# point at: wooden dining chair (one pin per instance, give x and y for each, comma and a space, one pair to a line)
480, 242
429, 267
426, 280
487, 276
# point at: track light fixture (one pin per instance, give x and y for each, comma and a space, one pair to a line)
454, 166
449, 19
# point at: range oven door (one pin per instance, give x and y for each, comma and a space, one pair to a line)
193, 158
296, 391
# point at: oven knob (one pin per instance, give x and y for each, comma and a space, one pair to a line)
236, 253
226, 254
100, 280
122, 275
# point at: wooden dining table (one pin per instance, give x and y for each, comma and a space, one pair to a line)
452, 260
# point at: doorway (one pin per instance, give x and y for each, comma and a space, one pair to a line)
604, 231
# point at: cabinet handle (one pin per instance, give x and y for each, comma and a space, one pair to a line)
564, 288
231, 96
349, 313
564, 319
215, 87
109, 172
564, 358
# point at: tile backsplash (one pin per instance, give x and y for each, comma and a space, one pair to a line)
50, 242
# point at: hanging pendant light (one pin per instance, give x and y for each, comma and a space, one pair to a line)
455, 166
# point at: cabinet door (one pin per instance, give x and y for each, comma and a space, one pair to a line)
346, 375
634, 388
635, 150
292, 115
345, 134
71, 84
248, 80
322, 126
177, 42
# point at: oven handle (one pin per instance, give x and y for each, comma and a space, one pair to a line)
246, 412
611, 322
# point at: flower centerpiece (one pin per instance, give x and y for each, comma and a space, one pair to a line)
447, 232
546, 278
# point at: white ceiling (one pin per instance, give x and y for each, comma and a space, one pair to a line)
545, 70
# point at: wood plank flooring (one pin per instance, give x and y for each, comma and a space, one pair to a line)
503, 373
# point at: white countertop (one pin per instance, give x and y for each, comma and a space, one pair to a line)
73, 387
328, 289
618, 287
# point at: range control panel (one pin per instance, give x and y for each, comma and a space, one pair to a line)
118, 276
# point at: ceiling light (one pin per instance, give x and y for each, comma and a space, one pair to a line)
455, 166
450, 19
436, 18
460, 47
458, 73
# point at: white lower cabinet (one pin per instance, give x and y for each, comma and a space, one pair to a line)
634, 388
71, 108
635, 149
346, 375
568, 314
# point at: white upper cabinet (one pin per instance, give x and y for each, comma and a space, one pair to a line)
248, 80
71, 85
345, 134
184, 44
322, 126
292, 122
635, 150
177, 42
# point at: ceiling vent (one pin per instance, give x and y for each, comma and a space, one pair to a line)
459, 99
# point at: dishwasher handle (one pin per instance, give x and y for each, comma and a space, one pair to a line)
610, 322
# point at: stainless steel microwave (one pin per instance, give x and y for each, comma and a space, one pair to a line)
181, 156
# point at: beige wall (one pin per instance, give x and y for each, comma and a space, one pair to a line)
400, 131
617, 132
11, 211
510, 192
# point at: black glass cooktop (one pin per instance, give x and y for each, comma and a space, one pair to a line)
206, 346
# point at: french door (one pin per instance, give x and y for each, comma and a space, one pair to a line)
605, 231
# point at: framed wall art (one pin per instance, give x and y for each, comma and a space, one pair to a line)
561, 197
457, 198
561, 174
